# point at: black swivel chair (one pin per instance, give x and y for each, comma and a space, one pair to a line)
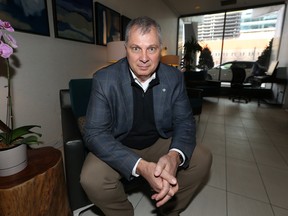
237, 85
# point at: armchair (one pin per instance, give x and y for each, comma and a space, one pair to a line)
73, 104
74, 155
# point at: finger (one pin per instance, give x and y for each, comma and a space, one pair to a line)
163, 192
163, 201
168, 177
173, 190
160, 166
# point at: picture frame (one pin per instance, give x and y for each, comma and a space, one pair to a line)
107, 23
29, 18
73, 20
124, 22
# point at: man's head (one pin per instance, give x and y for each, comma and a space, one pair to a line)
143, 44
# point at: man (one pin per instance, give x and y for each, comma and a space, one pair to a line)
140, 123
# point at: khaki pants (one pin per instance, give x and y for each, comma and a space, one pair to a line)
103, 186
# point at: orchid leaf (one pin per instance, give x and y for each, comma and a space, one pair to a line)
19, 135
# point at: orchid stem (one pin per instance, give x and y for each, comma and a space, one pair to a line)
9, 116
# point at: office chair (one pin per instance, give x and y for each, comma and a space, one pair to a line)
237, 85
267, 77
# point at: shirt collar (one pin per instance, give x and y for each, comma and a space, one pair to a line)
144, 85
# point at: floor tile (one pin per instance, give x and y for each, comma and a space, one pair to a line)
243, 178
218, 172
268, 155
242, 206
280, 211
249, 123
276, 184
210, 201
215, 143
135, 198
239, 149
219, 119
233, 121
284, 153
145, 208
235, 132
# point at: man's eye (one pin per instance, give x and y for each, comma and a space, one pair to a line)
135, 49
152, 49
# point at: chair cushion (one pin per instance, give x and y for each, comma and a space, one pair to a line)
81, 122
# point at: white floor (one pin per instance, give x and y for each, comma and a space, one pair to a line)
249, 175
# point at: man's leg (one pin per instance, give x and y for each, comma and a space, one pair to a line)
103, 187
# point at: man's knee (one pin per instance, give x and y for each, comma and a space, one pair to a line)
207, 158
201, 161
97, 178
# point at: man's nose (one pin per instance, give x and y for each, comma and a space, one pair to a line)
144, 57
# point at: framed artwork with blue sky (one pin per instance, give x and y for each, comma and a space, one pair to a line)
73, 20
107, 23
26, 15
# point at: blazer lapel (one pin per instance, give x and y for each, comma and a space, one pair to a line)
124, 78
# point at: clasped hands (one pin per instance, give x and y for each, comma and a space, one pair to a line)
161, 176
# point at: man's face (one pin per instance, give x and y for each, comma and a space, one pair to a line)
143, 52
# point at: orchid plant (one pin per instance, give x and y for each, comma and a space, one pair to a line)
9, 135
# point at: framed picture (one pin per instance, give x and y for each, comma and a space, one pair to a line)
73, 20
124, 22
26, 15
107, 24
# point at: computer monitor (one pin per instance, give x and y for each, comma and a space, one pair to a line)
272, 67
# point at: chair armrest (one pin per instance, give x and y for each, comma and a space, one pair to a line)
75, 155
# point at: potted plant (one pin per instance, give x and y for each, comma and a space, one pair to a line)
190, 48
13, 141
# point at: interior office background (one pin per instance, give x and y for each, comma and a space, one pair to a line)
48, 63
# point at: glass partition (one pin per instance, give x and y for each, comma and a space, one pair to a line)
235, 38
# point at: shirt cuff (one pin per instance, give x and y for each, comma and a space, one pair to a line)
135, 167
181, 154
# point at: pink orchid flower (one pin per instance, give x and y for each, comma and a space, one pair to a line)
7, 42
5, 50
10, 40
6, 25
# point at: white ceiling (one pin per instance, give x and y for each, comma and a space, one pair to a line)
187, 7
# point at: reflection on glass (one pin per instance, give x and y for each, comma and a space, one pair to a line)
241, 36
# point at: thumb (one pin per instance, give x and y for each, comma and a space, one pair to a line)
159, 169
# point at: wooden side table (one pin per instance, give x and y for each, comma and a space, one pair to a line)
38, 190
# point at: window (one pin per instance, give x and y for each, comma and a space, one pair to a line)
240, 35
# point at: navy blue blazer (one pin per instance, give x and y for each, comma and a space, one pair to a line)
109, 115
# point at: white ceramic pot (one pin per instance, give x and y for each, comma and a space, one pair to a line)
13, 160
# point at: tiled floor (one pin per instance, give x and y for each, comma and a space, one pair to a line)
249, 175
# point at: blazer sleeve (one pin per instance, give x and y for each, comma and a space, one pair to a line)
104, 125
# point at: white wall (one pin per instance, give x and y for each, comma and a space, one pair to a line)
47, 64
